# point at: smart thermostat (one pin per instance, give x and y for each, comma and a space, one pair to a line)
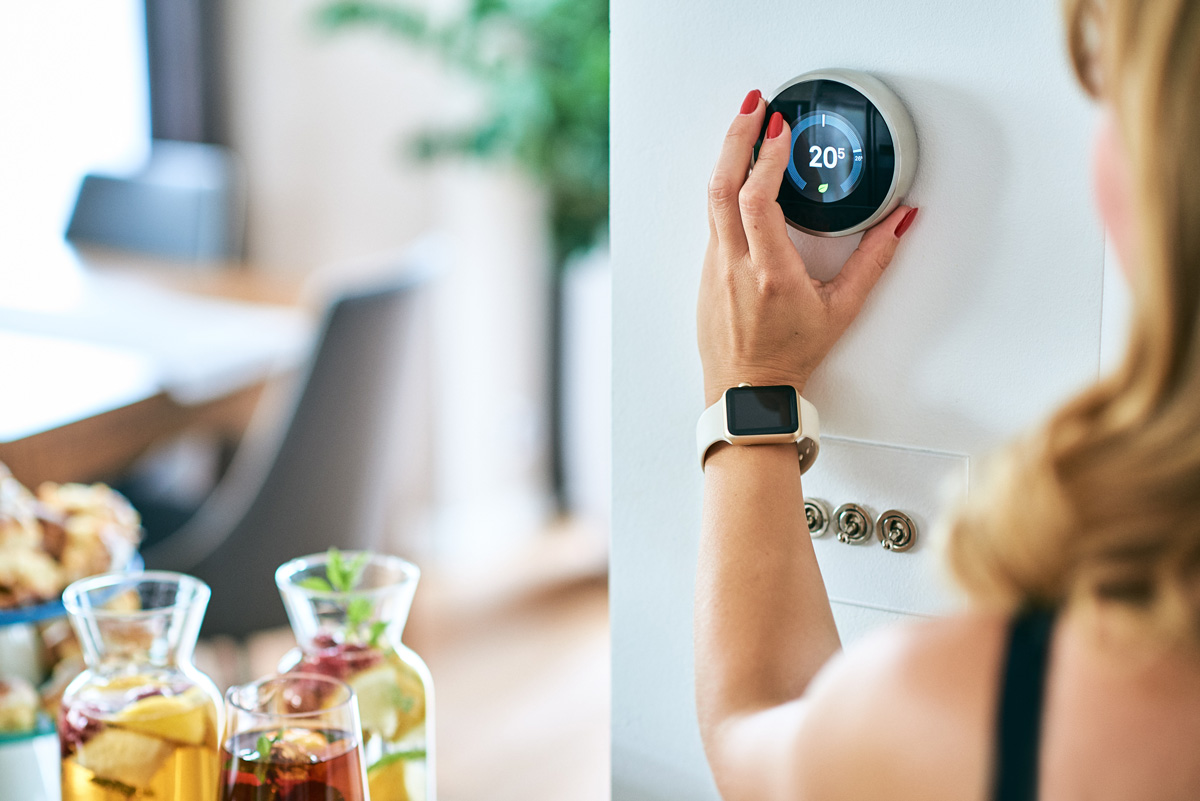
854, 151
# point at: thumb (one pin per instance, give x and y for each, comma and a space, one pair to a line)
866, 264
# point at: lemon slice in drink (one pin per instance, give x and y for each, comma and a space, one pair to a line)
176, 718
386, 781
127, 757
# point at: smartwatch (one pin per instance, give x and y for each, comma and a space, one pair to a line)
749, 415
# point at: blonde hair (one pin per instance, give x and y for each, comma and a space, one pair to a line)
1103, 501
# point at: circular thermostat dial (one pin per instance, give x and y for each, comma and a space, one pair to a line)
854, 151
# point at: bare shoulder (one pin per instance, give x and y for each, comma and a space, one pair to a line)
907, 712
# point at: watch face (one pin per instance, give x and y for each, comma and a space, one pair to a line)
843, 157
752, 411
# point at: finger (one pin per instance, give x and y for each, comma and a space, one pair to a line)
762, 217
866, 264
730, 174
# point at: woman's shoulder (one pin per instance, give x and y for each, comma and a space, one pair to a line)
914, 701
955, 637
946, 656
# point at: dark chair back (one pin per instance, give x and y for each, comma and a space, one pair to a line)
325, 482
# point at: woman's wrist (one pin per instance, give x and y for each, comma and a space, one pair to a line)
725, 455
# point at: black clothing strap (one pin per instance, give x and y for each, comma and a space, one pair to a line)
1019, 722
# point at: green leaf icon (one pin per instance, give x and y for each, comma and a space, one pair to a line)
822, 188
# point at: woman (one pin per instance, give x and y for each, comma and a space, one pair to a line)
1081, 555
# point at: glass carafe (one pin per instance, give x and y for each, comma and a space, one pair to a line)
141, 722
348, 612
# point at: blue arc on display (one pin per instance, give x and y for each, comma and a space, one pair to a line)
829, 119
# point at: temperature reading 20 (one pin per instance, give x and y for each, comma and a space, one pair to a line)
829, 156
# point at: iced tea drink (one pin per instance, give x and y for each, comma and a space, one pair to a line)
292, 738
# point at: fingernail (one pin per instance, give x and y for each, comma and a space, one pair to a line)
775, 126
750, 104
906, 222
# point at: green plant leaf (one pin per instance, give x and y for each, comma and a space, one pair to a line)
377, 630
543, 66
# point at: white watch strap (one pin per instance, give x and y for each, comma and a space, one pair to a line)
713, 428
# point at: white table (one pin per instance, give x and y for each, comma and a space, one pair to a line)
96, 363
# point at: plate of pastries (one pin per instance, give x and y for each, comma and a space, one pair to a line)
54, 535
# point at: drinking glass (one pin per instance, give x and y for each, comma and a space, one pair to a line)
292, 738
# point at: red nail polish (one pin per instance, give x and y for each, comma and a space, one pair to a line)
906, 222
775, 126
750, 104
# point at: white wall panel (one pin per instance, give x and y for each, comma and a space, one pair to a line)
988, 317
853, 620
880, 478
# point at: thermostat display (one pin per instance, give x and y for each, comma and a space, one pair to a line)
827, 156
854, 151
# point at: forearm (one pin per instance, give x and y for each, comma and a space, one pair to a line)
763, 625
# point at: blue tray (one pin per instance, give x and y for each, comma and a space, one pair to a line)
43, 727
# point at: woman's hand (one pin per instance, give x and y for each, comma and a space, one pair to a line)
761, 318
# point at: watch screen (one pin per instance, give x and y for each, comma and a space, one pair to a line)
751, 411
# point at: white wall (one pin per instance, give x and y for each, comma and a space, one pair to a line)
73, 98
989, 316
320, 120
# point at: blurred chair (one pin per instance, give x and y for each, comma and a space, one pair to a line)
322, 479
185, 203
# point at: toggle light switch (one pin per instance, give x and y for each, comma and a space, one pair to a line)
853, 523
896, 530
816, 511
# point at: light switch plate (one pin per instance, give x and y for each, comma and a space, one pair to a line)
882, 477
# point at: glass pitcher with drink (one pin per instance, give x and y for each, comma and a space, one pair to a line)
141, 722
348, 611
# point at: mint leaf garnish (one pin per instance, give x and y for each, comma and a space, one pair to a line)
316, 583
343, 575
354, 570
115, 786
335, 571
387, 759
263, 763
357, 612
